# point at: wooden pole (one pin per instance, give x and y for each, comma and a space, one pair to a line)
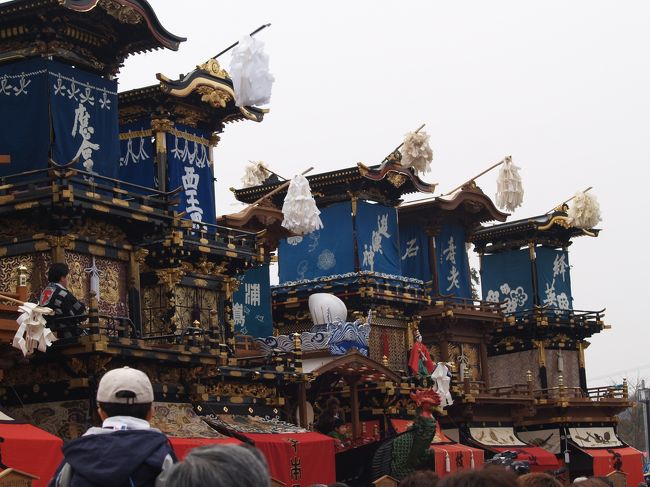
354, 405
302, 404
400, 146
507, 158
278, 189
565, 202
11, 300
233, 45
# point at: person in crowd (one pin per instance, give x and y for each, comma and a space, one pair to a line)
590, 482
487, 477
325, 423
220, 465
421, 478
339, 431
538, 480
57, 296
125, 451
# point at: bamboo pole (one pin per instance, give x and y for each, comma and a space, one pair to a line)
233, 45
566, 201
278, 189
12, 300
507, 158
400, 146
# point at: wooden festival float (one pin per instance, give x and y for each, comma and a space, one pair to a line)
120, 186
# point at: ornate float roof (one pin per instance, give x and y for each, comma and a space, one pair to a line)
95, 34
257, 219
552, 229
469, 203
354, 364
204, 96
382, 183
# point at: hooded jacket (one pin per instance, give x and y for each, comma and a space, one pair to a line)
122, 458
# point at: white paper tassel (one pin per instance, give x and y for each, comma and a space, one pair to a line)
95, 274
471, 459
510, 192
447, 462
255, 173
299, 208
416, 152
32, 332
249, 70
442, 383
584, 211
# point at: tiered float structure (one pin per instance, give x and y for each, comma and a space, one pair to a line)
120, 187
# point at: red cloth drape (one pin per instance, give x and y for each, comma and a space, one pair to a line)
182, 446
420, 350
32, 450
298, 458
460, 457
539, 459
606, 461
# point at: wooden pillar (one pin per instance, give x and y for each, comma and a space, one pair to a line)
533, 272
582, 345
485, 377
543, 377
354, 405
302, 404
160, 127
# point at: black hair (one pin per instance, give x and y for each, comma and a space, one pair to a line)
332, 404
57, 271
139, 411
337, 423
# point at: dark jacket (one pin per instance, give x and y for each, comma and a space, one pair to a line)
129, 458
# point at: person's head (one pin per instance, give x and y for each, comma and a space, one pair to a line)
538, 480
58, 272
333, 405
125, 392
222, 465
488, 477
421, 478
340, 427
590, 482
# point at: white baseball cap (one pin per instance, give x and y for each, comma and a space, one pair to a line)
125, 386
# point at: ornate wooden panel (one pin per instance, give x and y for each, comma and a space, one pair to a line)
36, 264
467, 354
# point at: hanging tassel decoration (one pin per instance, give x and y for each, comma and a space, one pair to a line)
471, 460
249, 71
510, 192
95, 275
447, 462
255, 173
299, 208
32, 333
416, 152
584, 211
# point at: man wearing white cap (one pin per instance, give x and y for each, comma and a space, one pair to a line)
125, 451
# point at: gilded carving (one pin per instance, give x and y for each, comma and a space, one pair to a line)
161, 125
109, 286
238, 389
123, 13
187, 116
396, 179
214, 96
100, 230
213, 67
64, 241
141, 255
170, 277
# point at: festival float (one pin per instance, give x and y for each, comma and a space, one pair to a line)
375, 303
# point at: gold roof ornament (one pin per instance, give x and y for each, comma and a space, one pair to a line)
213, 67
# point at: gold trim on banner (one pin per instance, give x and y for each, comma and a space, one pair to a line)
190, 137
132, 134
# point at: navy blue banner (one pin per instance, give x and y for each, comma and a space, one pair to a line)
325, 252
24, 120
84, 117
414, 252
137, 154
251, 303
188, 161
554, 278
452, 262
377, 238
506, 277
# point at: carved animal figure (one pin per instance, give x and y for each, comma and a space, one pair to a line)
409, 451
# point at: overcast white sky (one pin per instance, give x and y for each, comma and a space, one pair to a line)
561, 86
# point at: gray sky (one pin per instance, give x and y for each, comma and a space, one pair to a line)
561, 86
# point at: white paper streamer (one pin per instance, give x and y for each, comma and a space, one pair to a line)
255, 173
95, 275
510, 192
249, 70
416, 152
442, 382
584, 211
32, 332
299, 208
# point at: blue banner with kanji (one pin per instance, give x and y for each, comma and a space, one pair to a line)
554, 278
251, 303
84, 118
325, 252
452, 262
24, 117
377, 238
414, 252
188, 162
506, 278
137, 154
